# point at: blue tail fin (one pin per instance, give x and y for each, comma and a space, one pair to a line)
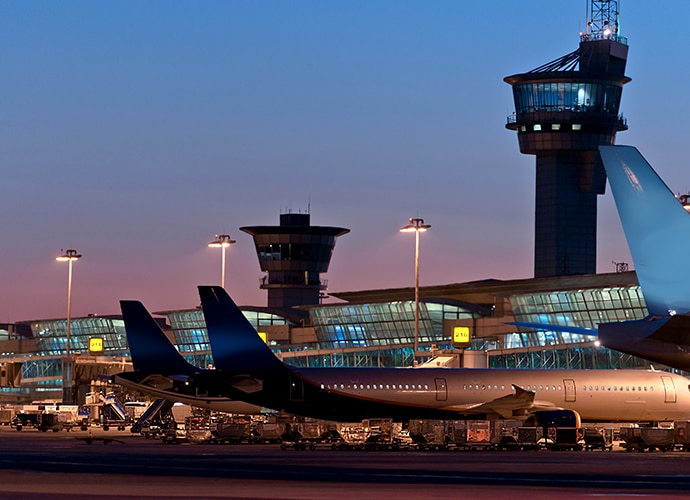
656, 226
234, 342
151, 350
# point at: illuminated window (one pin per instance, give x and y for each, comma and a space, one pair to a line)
577, 126
536, 127
555, 126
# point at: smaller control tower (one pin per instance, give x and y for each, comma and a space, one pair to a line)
294, 255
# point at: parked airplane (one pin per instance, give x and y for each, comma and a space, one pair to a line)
247, 370
160, 370
657, 229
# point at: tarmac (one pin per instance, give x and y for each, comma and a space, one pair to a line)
117, 464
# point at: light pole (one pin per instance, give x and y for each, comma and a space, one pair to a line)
222, 241
418, 226
69, 256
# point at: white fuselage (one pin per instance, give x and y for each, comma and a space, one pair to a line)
597, 395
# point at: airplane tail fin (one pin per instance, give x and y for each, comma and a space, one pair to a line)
151, 350
656, 226
234, 342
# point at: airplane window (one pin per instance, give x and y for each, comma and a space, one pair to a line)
547, 387
407, 386
584, 387
342, 386
483, 387
639, 388
426, 387
627, 388
393, 386
355, 386
368, 386
645, 388
388, 386
608, 388
633, 388
652, 388
596, 388
590, 387
464, 387
503, 387
615, 388
541, 387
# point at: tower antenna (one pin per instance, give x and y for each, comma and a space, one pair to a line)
603, 21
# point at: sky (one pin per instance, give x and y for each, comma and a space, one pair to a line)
135, 131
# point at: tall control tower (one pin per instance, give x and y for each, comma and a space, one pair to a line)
293, 255
563, 111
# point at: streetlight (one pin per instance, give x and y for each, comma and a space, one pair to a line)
69, 256
418, 226
222, 241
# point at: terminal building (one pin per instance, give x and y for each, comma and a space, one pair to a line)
563, 111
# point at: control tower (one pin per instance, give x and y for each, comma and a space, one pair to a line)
293, 255
563, 111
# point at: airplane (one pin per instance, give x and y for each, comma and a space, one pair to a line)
160, 370
247, 370
657, 229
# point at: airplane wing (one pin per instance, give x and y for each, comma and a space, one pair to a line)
516, 405
555, 328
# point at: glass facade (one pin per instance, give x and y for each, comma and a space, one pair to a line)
51, 335
580, 97
381, 324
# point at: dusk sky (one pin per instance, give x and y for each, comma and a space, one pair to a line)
133, 131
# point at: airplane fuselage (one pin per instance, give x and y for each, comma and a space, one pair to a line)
352, 394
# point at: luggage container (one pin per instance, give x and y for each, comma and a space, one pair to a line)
428, 434
598, 438
647, 438
482, 434
681, 433
565, 438
229, 432
521, 438
370, 434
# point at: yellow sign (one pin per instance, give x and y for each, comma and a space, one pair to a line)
263, 336
461, 335
95, 345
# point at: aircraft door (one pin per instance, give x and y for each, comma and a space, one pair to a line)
296, 388
669, 390
441, 389
569, 386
